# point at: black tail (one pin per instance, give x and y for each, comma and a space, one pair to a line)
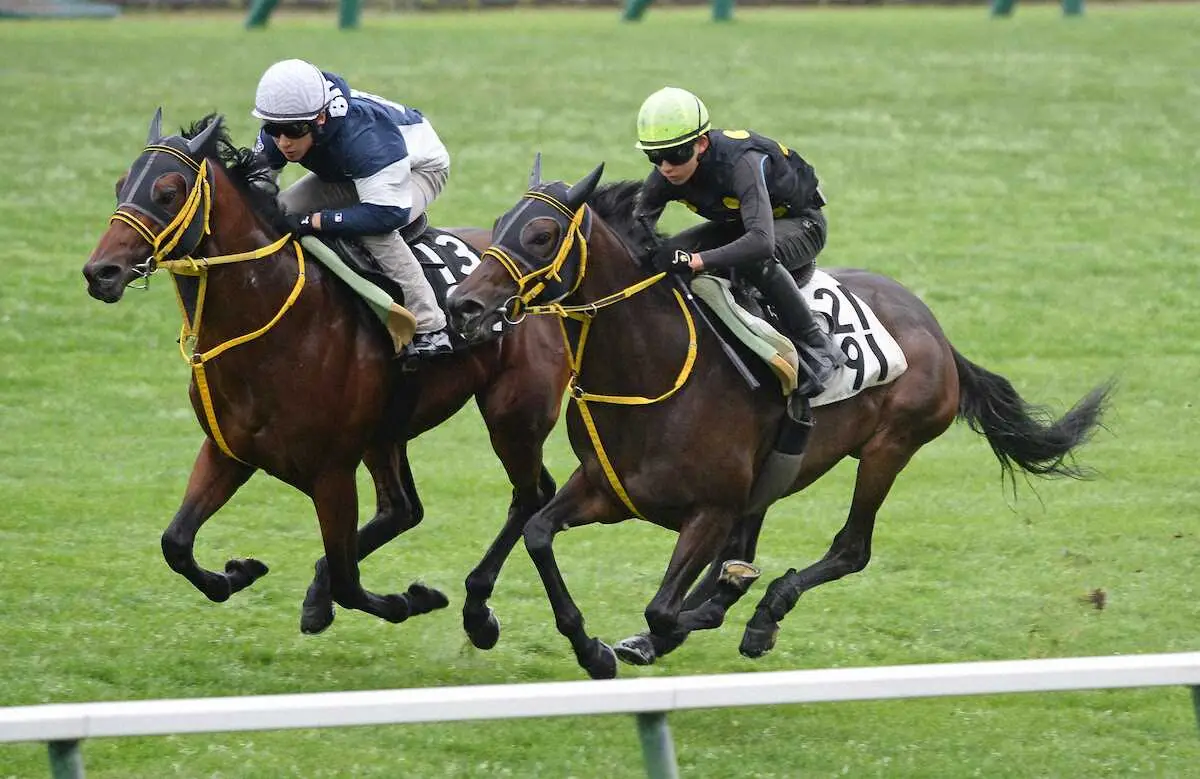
1021, 434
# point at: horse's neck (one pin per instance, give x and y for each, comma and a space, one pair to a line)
647, 329
243, 295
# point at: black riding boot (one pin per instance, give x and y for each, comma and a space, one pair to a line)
820, 353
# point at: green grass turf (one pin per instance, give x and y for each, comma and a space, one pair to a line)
1034, 180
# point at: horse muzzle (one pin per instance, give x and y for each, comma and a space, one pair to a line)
107, 280
469, 317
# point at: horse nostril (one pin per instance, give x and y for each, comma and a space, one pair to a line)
108, 272
463, 312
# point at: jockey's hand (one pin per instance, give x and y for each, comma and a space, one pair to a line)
300, 224
671, 260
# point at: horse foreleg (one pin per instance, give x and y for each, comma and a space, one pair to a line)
518, 419
577, 503
666, 616
215, 478
398, 509
849, 553
335, 495
479, 621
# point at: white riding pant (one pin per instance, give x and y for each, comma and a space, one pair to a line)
395, 258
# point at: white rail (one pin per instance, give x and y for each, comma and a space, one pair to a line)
64, 725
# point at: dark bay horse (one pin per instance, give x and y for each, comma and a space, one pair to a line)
292, 375
665, 428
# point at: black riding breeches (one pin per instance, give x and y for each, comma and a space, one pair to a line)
798, 241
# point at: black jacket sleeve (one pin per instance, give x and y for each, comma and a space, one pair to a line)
758, 242
651, 202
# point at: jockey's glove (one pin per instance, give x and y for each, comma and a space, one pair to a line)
299, 224
671, 260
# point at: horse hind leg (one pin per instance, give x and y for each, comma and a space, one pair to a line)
335, 495
849, 553
215, 478
729, 577
701, 538
398, 509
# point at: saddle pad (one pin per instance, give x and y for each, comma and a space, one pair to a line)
872, 355
446, 260
765, 341
399, 321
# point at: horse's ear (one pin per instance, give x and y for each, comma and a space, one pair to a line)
155, 127
578, 194
195, 144
535, 175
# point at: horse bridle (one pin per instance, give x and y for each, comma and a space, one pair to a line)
549, 283
171, 237
176, 237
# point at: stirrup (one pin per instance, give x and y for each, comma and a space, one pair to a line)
433, 344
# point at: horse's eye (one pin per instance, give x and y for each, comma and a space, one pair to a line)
542, 238
165, 195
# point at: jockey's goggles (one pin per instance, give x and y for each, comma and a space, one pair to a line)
291, 130
676, 155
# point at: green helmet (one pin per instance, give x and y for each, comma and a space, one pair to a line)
671, 117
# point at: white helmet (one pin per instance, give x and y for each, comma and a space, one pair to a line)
290, 91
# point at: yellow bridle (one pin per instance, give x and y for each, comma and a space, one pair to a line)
584, 314
198, 205
530, 285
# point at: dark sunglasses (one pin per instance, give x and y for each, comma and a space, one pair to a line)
291, 130
676, 155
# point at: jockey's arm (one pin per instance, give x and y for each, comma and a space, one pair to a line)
385, 204
758, 241
268, 157
652, 201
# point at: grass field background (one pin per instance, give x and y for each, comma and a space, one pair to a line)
1034, 180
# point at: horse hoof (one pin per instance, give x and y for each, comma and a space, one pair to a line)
243, 572
602, 662
314, 619
395, 608
217, 588
756, 642
636, 650
485, 634
423, 599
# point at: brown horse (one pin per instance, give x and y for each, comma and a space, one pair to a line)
292, 375
681, 447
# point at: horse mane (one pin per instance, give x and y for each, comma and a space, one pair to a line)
615, 203
248, 172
